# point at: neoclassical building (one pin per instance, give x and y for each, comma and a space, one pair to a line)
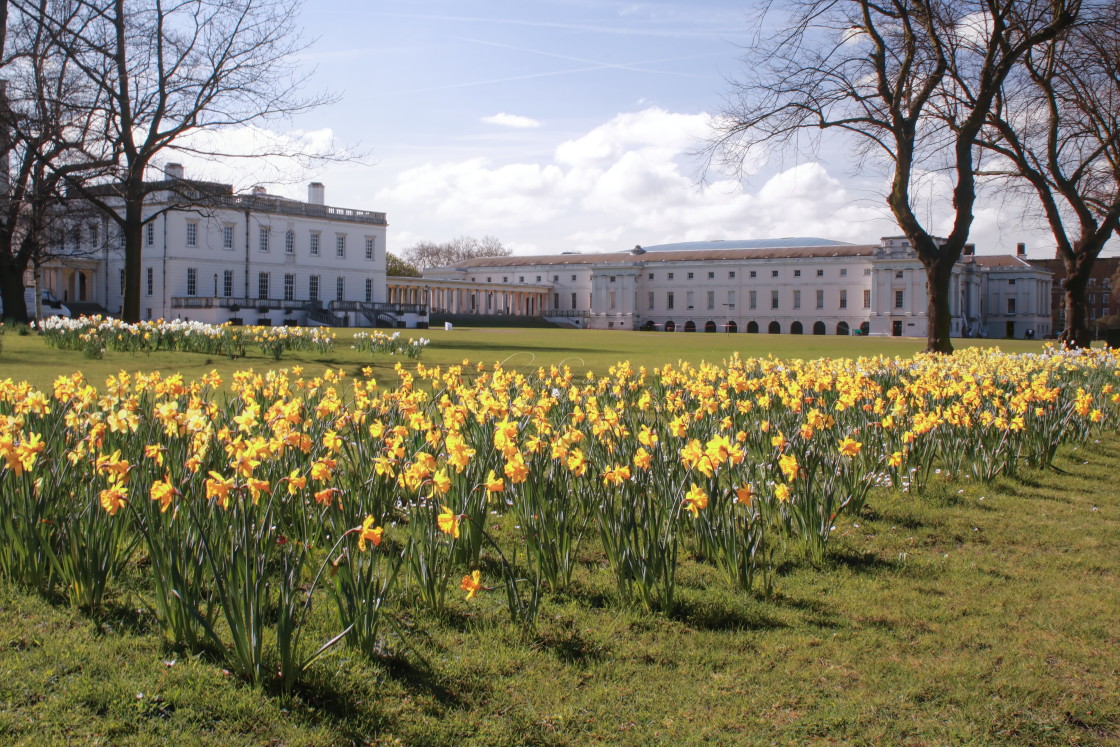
213, 256
777, 286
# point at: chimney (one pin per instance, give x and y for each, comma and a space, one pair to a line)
316, 193
259, 191
1021, 250
173, 171
969, 252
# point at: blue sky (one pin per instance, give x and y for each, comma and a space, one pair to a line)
563, 125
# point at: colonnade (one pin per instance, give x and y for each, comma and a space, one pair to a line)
458, 297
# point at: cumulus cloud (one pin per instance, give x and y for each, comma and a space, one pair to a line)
511, 120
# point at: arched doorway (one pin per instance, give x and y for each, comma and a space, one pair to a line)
752, 328
709, 326
690, 326
775, 328
670, 326
842, 328
648, 326
796, 328
819, 328
732, 327
865, 328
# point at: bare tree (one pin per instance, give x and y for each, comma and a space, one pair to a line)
912, 80
167, 69
430, 254
1056, 128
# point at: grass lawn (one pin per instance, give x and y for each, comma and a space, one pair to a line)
28, 358
968, 614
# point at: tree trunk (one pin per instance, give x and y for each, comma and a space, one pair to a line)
1076, 333
11, 291
939, 273
133, 229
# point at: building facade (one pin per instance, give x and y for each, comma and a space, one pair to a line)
1100, 296
210, 255
785, 286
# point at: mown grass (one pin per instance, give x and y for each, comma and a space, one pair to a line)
27, 358
970, 614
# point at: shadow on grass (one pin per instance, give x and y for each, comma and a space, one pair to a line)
716, 615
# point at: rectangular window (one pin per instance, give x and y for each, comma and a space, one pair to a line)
369, 290
669, 300
843, 298
227, 283
843, 272
730, 299
262, 285
650, 276
314, 244
192, 233
1011, 282
150, 234
611, 300
538, 278
556, 300
1011, 306
556, 278
690, 276
711, 299
820, 298
670, 276
690, 299
651, 299
573, 280
340, 288
340, 246
773, 273
711, 275
93, 236
898, 299
227, 237
820, 273
289, 242
898, 274
573, 300
151, 280
866, 271
754, 300
796, 299
867, 299
192, 281
522, 279
797, 273
754, 273
313, 287
612, 279
731, 274
773, 299
369, 248
263, 239
289, 287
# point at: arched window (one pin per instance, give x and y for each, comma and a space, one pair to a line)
796, 328
670, 326
709, 326
690, 326
775, 328
752, 328
819, 328
842, 328
732, 327
865, 328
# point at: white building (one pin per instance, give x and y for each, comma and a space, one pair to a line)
213, 256
795, 286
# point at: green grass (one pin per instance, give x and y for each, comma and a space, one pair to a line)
970, 614
28, 358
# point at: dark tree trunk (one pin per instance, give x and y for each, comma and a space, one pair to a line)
1076, 333
939, 275
11, 290
133, 229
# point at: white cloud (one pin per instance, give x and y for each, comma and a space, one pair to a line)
511, 120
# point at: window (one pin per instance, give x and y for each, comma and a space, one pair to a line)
262, 285
843, 298
556, 300
796, 299
150, 234
556, 278
898, 274
313, 288
505, 278
711, 276
369, 247
192, 281
289, 242
538, 278
611, 300
1092, 298
573, 280
314, 246
690, 299
1011, 306
340, 288
650, 277
820, 298
573, 300
227, 283
521, 279
754, 300
93, 237
843, 272
262, 241
866, 299
151, 280
820, 273
192, 233
731, 274
773, 273
866, 272
289, 287
730, 299
754, 273
773, 299
1011, 282
690, 276
488, 279
612, 278
651, 299
122, 282
340, 247
669, 300
227, 237
797, 273
670, 276
711, 299
369, 290
898, 299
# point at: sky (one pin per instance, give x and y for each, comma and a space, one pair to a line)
563, 125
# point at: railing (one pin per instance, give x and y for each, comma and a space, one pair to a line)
273, 204
392, 308
228, 302
322, 316
567, 312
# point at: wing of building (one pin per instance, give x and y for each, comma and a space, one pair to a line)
213, 256
777, 286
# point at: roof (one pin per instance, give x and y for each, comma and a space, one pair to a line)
704, 251
1001, 260
790, 242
